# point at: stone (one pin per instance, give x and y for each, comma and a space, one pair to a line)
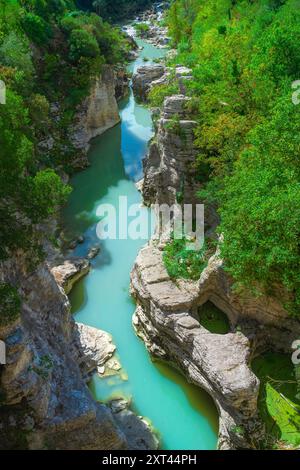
132, 55
139, 185
118, 405
138, 432
113, 366
143, 78
44, 387
183, 74
169, 166
71, 271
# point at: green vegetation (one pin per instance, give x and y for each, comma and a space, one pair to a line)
142, 29
173, 126
244, 57
49, 55
278, 403
182, 262
213, 319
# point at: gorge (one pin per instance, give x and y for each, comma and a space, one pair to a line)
141, 343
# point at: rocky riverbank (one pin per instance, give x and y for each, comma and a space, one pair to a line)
167, 314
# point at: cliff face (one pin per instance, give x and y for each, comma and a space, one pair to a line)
167, 315
98, 113
45, 401
167, 319
168, 169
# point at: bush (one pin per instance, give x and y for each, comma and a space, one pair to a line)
82, 44
39, 108
14, 52
181, 262
158, 93
37, 29
142, 29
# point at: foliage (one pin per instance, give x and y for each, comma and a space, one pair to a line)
261, 212
244, 59
36, 28
182, 262
277, 401
82, 44
15, 53
158, 93
49, 52
142, 29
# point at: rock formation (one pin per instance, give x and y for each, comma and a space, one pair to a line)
143, 78
167, 320
68, 273
166, 316
45, 402
98, 112
44, 399
94, 347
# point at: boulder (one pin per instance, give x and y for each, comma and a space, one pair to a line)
94, 347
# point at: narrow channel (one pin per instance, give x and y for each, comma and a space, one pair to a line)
184, 416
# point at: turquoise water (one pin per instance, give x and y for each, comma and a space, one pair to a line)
184, 415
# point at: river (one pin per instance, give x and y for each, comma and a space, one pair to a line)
183, 415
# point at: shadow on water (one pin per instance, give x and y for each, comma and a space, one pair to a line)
200, 400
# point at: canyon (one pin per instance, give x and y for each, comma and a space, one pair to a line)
90, 367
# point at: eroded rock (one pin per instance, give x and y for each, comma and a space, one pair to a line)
98, 113
143, 78
165, 319
93, 252
95, 347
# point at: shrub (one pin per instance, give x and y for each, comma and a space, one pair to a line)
181, 262
142, 29
82, 44
158, 93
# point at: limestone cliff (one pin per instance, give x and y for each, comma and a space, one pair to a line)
168, 321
